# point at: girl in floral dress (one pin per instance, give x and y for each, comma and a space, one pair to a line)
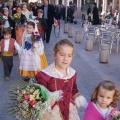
60, 76
103, 104
32, 57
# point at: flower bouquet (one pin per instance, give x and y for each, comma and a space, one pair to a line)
115, 118
56, 23
16, 18
40, 28
2, 19
30, 101
115, 114
36, 36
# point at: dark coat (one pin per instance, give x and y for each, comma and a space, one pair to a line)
95, 16
12, 24
35, 10
43, 23
88, 11
23, 19
51, 14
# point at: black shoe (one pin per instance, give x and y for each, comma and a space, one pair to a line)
47, 42
27, 79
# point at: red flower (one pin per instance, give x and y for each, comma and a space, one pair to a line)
32, 102
40, 29
26, 97
36, 18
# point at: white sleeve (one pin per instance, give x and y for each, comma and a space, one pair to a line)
81, 101
17, 46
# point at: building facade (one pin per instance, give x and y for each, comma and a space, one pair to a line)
83, 4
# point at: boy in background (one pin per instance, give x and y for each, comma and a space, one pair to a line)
7, 45
42, 25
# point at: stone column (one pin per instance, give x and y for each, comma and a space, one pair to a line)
66, 4
97, 2
63, 2
77, 12
67, 1
119, 16
104, 6
20, 1
114, 4
56, 2
80, 4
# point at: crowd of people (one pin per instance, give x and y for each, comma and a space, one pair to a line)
26, 34
95, 17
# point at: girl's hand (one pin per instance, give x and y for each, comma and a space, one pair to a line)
33, 45
115, 113
52, 101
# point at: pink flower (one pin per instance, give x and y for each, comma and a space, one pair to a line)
26, 97
32, 103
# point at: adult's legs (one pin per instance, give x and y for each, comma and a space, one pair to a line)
48, 32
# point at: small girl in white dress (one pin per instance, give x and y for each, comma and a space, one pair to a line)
32, 58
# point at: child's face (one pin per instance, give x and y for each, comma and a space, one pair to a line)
7, 36
6, 12
63, 57
105, 97
19, 10
30, 29
40, 14
24, 7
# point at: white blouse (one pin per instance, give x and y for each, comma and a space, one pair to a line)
6, 45
104, 112
6, 25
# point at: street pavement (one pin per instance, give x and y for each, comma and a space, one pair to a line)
89, 71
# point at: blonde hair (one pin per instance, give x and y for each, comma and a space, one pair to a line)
61, 43
108, 85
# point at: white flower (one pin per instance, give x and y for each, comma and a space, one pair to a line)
5, 17
36, 21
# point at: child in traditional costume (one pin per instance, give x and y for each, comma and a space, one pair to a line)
103, 104
7, 45
9, 22
60, 76
42, 24
32, 58
20, 26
